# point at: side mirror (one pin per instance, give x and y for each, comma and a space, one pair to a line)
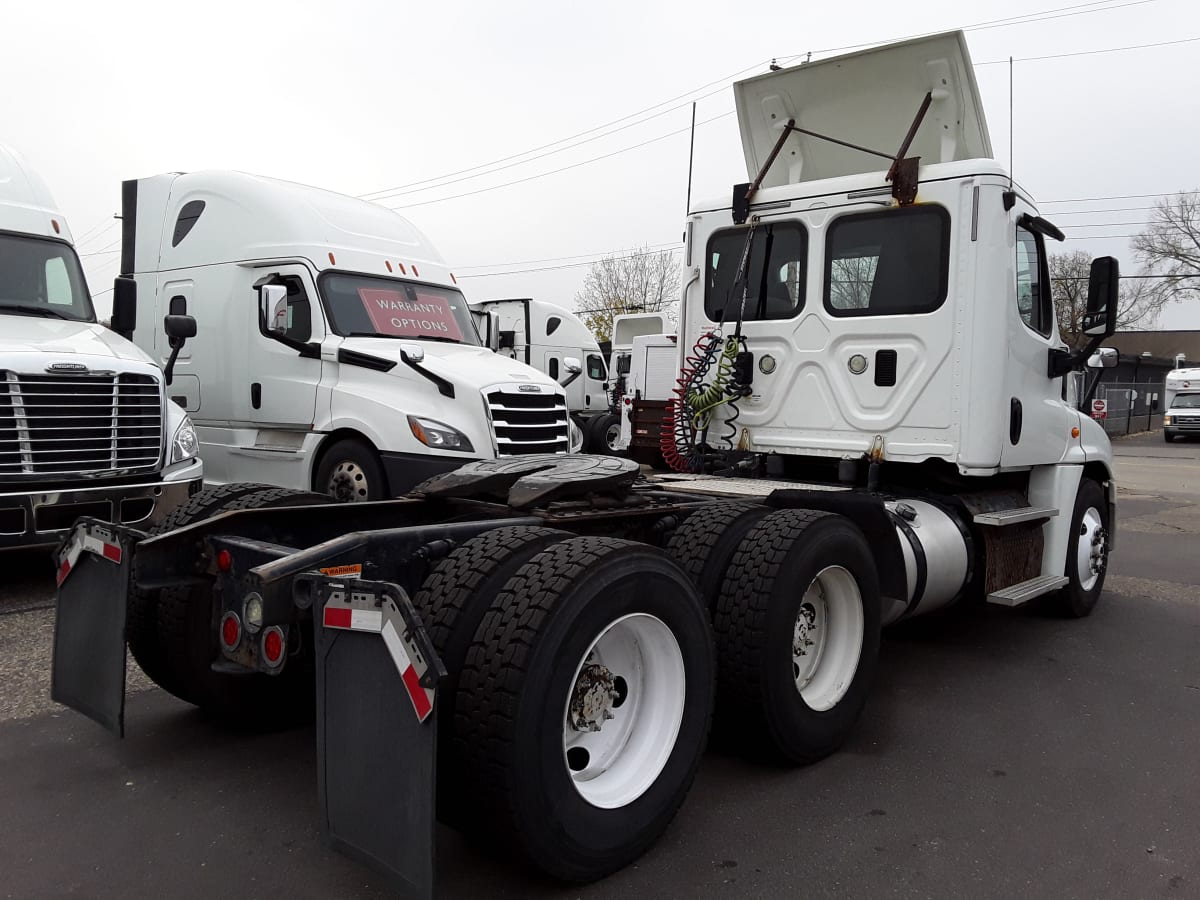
124, 314
178, 329
572, 364
1104, 358
1104, 284
493, 331
272, 306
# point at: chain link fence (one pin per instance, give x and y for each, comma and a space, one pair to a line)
1129, 406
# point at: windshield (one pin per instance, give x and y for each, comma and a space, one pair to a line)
43, 277
389, 307
1186, 401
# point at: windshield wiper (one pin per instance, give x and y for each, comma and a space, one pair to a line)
35, 311
403, 337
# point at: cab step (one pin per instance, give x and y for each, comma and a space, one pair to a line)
1020, 594
1015, 516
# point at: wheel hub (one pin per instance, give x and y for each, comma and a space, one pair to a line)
593, 698
348, 483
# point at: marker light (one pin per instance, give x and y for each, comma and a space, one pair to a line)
252, 612
224, 560
273, 645
231, 631
1074, 432
332, 261
388, 264
416, 274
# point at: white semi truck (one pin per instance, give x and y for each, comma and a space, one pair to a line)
869, 427
556, 341
1182, 408
85, 424
335, 351
649, 384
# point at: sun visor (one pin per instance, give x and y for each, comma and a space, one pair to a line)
867, 98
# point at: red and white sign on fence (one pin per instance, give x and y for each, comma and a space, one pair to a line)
1099, 409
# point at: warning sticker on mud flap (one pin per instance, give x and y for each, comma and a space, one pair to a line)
351, 570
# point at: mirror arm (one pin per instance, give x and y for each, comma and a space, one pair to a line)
1091, 389
570, 378
176, 344
310, 350
1063, 361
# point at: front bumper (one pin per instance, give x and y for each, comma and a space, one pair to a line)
42, 518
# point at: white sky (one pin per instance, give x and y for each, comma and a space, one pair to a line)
361, 95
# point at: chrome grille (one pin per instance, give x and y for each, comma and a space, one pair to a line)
68, 425
528, 422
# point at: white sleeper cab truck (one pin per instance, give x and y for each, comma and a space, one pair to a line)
868, 426
649, 384
556, 341
1182, 409
85, 426
335, 352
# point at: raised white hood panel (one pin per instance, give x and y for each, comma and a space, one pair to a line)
867, 98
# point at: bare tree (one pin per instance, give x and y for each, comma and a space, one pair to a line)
1170, 246
645, 281
1140, 300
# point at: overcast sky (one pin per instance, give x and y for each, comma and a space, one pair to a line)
359, 97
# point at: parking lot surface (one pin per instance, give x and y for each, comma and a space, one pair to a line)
1002, 753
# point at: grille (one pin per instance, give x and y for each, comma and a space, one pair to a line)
525, 422
79, 424
1187, 420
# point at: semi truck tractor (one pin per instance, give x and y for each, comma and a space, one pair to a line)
556, 341
649, 383
1182, 408
86, 427
335, 351
867, 425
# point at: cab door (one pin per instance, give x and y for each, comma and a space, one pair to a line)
1039, 422
281, 385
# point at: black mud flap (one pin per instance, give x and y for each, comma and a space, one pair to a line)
94, 566
377, 677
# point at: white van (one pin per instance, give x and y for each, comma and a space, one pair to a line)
1182, 416
85, 426
334, 351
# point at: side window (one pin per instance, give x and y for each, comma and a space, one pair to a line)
888, 263
299, 310
1033, 287
553, 373
775, 286
58, 283
595, 367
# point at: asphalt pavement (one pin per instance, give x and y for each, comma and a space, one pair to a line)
1002, 753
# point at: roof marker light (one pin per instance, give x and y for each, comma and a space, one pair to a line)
54, 222
452, 278
416, 274
332, 261
403, 271
388, 264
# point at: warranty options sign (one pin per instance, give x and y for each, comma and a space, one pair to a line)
393, 313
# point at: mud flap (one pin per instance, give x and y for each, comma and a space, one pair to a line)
94, 566
377, 676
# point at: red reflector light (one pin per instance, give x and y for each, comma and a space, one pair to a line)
273, 646
224, 560
628, 402
231, 631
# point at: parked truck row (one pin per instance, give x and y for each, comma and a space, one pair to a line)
866, 423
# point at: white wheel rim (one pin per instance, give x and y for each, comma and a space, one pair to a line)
638, 723
827, 638
348, 483
612, 435
1089, 549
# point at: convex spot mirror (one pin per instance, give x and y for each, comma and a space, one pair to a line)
272, 304
1104, 285
1104, 358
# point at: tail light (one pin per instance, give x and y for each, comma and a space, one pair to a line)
273, 647
231, 631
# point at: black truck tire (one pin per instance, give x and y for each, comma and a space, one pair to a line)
536, 681
705, 542
452, 601
187, 635
350, 471
1078, 598
794, 666
598, 434
141, 615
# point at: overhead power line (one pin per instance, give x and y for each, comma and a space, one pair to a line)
527, 262
997, 62
1119, 197
576, 265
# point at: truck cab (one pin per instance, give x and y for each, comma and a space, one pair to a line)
85, 424
556, 341
1182, 409
649, 385
335, 351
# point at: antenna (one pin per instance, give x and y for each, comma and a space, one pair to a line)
691, 155
1010, 124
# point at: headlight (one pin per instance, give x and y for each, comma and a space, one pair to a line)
184, 444
1166, 420
439, 435
576, 436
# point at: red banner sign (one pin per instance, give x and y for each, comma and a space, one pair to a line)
393, 313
